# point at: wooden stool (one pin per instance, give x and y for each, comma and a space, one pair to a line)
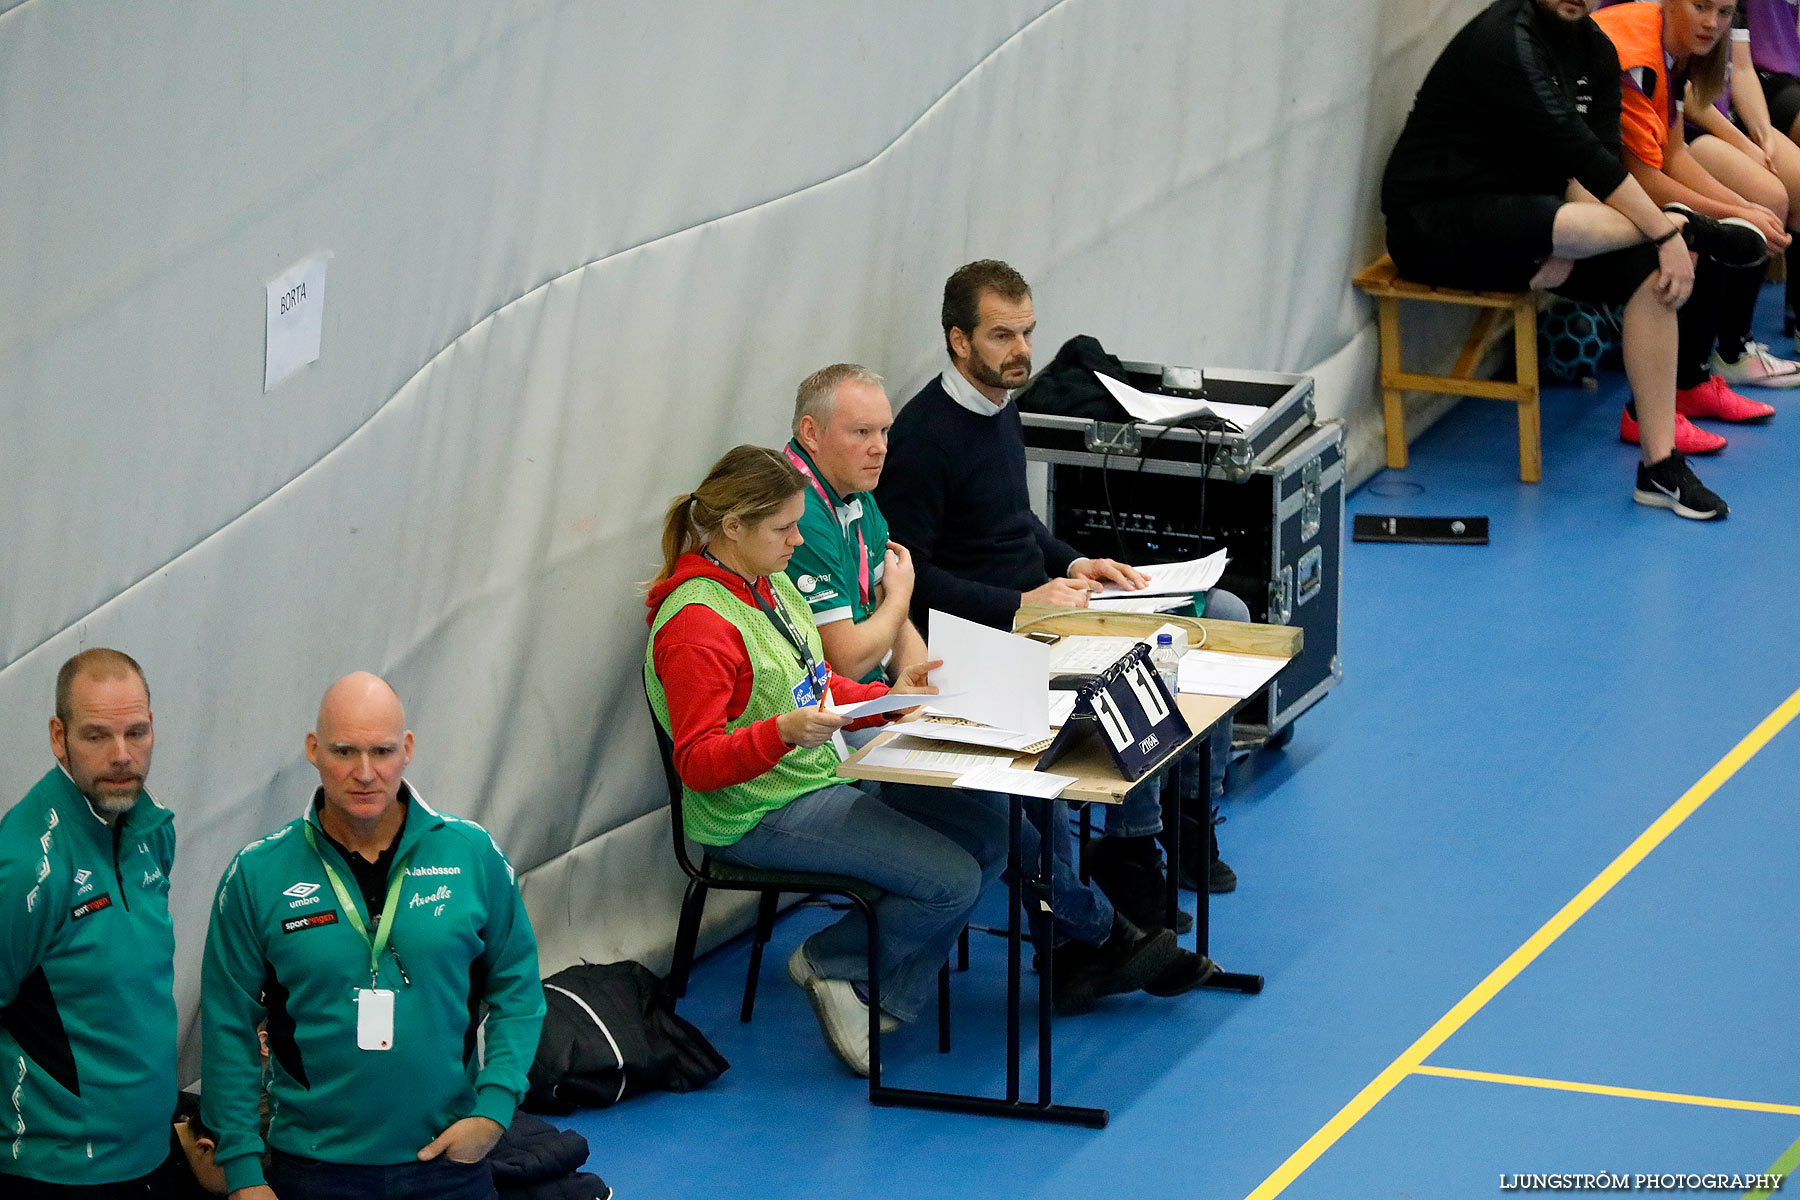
1383, 282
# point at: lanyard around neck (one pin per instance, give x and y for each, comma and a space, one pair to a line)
396, 877
862, 547
777, 616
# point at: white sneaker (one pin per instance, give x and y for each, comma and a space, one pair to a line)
800, 970
843, 1019
1757, 368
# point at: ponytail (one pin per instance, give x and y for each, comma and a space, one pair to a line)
749, 483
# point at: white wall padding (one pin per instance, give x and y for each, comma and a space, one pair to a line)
578, 250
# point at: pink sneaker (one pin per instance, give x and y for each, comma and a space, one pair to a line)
1715, 399
1689, 437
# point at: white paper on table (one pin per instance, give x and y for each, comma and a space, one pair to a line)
888, 702
902, 752
1015, 782
1061, 705
1081, 654
1137, 604
1215, 673
1167, 579
296, 320
1160, 410
972, 735
990, 676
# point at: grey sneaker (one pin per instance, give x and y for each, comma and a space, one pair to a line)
843, 1019
800, 970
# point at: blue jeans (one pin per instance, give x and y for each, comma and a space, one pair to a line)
918, 845
1141, 814
296, 1178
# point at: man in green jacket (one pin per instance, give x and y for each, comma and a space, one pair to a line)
87, 1005
373, 934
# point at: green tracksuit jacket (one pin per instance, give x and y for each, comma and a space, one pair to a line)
87, 1005
279, 946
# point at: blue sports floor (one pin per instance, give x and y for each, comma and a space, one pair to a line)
1513, 719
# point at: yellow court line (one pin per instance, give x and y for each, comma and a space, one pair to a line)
1604, 1089
1415, 1055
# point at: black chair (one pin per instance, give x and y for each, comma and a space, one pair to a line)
709, 874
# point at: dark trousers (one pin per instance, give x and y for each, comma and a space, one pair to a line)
296, 1178
154, 1186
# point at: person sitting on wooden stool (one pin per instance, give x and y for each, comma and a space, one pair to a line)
1507, 176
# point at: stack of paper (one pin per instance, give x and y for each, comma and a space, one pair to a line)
1214, 673
923, 756
1082, 655
972, 735
1148, 406
1176, 578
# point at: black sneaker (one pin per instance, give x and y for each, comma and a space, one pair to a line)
1187, 972
1130, 872
1220, 878
1128, 959
1731, 242
1671, 484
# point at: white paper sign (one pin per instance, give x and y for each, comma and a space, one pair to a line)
296, 319
989, 676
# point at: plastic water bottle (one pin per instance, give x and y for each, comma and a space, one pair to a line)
1166, 660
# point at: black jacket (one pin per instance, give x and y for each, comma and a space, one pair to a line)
608, 1033
1519, 102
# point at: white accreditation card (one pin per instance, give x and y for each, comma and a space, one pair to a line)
374, 1019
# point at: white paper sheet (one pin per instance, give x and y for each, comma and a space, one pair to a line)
891, 702
903, 752
296, 319
1166, 579
991, 676
1137, 603
1216, 673
1015, 782
1160, 410
1061, 705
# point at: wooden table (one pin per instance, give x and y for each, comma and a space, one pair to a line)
1097, 781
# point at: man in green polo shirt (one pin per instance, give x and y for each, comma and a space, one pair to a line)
858, 584
87, 1004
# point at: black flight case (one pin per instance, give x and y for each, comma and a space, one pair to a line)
1273, 495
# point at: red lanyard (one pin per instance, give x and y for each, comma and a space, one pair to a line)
862, 548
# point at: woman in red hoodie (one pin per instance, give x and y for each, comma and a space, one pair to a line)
735, 673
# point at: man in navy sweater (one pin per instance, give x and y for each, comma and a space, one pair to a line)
954, 487
954, 494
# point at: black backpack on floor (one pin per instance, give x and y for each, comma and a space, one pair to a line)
608, 1034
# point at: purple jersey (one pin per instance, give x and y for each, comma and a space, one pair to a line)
1774, 34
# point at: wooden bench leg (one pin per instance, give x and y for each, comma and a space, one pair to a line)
1531, 444
1475, 344
1393, 413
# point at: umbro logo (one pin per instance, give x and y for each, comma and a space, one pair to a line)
301, 891
82, 876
